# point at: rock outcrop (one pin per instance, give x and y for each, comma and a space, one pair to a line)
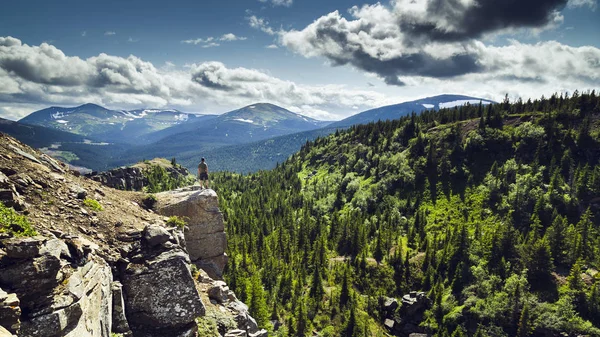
205, 236
134, 178
101, 264
123, 178
58, 295
405, 320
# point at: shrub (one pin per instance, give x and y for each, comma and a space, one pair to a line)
13, 223
93, 204
176, 221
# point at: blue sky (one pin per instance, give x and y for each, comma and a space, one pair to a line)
325, 59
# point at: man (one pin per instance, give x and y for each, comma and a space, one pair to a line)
203, 173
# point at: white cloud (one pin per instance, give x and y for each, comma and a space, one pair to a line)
109, 33
198, 41
592, 4
84, 33
377, 40
272, 46
38, 76
209, 41
260, 24
210, 45
231, 37
286, 3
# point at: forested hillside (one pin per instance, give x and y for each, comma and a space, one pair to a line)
493, 211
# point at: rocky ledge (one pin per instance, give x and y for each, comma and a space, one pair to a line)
101, 264
205, 234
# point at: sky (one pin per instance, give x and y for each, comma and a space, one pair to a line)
324, 59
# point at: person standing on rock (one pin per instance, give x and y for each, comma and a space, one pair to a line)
203, 173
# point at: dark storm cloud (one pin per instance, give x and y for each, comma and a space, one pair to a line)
456, 20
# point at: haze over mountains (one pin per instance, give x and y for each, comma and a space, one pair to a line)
110, 125
247, 139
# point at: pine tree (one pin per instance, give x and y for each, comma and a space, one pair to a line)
524, 322
316, 288
258, 303
345, 292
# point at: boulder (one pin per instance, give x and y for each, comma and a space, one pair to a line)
236, 333
219, 292
390, 305
23, 248
205, 239
160, 295
156, 235
407, 320
261, 333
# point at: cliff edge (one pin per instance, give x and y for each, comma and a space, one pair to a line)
97, 263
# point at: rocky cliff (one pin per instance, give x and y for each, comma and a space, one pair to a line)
101, 264
135, 178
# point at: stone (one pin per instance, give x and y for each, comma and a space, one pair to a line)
246, 322
119, 320
406, 320
203, 277
56, 248
79, 192
10, 312
390, 304
156, 235
128, 234
218, 291
53, 163
23, 248
160, 293
205, 239
82, 308
260, 333
27, 155
236, 333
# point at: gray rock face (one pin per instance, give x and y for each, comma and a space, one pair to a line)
56, 298
23, 248
119, 321
123, 178
10, 312
206, 239
131, 178
160, 295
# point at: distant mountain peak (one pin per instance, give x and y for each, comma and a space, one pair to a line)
91, 106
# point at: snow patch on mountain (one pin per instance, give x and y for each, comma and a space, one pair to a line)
244, 120
60, 114
428, 106
182, 117
62, 121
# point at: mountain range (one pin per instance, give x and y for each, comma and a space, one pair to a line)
123, 126
244, 140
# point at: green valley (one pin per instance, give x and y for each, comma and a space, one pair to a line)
491, 211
